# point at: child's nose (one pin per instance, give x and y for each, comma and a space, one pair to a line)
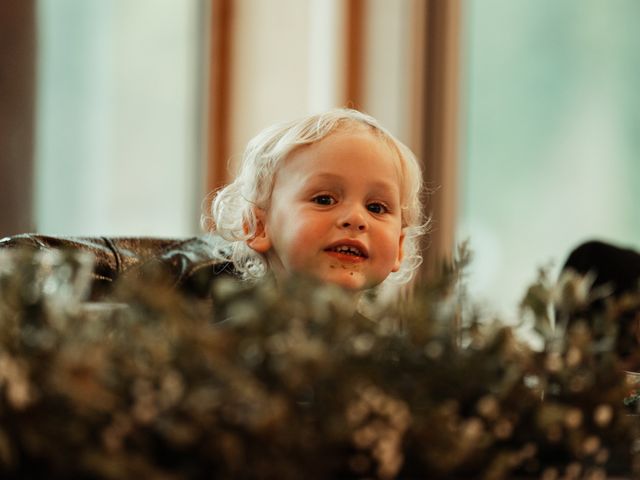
353, 219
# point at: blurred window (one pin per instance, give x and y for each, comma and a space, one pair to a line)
118, 148
551, 155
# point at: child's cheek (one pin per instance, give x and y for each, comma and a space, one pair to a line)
298, 247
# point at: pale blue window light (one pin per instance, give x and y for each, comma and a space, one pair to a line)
551, 151
120, 103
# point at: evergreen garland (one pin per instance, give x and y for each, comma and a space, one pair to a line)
286, 384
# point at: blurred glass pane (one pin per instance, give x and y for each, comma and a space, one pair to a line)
119, 116
551, 153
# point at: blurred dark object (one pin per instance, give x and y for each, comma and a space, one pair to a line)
188, 263
612, 265
617, 269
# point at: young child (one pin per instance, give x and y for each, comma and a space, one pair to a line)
333, 196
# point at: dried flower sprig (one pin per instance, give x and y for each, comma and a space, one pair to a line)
287, 383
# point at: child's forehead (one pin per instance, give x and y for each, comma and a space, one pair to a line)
335, 148
340, 136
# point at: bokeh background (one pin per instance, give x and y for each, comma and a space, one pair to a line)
551, 147
117, 117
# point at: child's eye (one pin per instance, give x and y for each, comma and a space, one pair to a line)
377, 208
323, 200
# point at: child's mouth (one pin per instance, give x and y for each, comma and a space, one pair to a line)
347, 252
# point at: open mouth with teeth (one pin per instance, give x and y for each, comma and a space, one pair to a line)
347, 251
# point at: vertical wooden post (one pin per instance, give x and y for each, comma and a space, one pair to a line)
17, 104
219, 94
440, 125
354, 58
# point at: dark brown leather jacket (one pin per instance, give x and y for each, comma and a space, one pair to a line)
188, 262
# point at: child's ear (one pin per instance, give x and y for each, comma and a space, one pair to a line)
260, 242
396, 266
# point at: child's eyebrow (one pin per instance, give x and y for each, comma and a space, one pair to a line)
381, 186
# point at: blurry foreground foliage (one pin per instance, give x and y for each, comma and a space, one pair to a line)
286, 385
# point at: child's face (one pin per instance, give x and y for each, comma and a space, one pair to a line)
335, 212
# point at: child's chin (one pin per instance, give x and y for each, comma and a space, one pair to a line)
351, 281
